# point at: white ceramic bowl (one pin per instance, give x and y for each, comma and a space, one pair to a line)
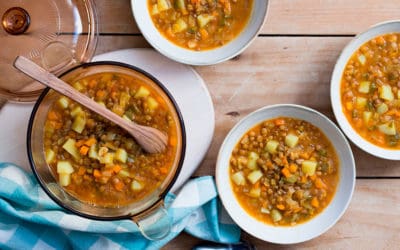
207, 57
304, 231
358, 41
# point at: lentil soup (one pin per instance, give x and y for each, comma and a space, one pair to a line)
370, 91
200, 24
96, 161
284, 171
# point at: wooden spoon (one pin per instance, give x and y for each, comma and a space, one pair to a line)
150, 139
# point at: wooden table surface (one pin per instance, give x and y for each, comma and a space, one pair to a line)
291, 61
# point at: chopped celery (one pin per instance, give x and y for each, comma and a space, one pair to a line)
367, 116
238, 178
64, 167
77, 111
254, 176
264, 210
70, 147
272, 146
291, 140
252, 160
93, 152
124, 99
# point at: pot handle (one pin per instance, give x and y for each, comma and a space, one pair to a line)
154, 224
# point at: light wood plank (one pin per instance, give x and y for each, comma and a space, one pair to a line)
272, 70
372, 221
284, 17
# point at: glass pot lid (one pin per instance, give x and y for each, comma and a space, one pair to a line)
56, 34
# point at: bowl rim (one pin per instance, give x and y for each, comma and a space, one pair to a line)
162, 195
170, 50
335, 82
256, 230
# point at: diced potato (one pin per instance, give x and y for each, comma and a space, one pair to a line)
124, 173
79, 124
121, 155
78, 86
362, 59
364, 87
77, 111
64, 167
238, 178
388, 128
142, 92
179, 26
382, 108
386, 93
70, 147
118, 109
154, 10
63, 102
255, 192
272, 146
265, 210
367, 116
252, 160
254, 176
204, 19
276, 215
152, 103
361, 102
50, 156
101, 103
107, 158
93, 152
136, 186
291, 140
64, 179
180, 4
308, 167
163, 5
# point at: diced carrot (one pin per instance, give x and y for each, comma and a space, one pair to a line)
313, 177
100, 94
303, 179
79, 143
279, 122
173, 141
280, 207
293, 168
84, 150
89, 142
163, 170
315, 202
97, 173
286, 172
305, 155
81, 171
319, 183
119, 186
107, 172
203, 33
53, 116
92, 83
116, 168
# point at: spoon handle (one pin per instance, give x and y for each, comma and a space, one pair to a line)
38, 73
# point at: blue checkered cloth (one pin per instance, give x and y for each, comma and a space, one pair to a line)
29, 219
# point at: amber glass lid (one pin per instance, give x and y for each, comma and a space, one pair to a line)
56, 34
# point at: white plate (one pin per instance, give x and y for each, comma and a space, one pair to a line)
185, 85
360, 39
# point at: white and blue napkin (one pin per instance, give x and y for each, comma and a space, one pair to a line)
29, 219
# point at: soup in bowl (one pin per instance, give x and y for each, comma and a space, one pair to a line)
91, 166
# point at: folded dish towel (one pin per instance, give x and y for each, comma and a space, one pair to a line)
29, 219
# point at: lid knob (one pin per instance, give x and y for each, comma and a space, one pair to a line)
16, 21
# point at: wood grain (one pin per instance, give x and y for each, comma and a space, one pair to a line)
372, 221
284, 16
